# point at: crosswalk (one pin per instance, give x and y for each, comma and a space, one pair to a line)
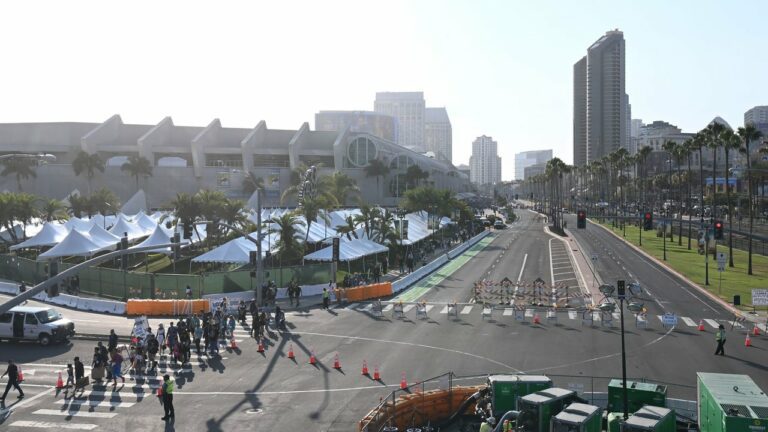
88, 408
596, 316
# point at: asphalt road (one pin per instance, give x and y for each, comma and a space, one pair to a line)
245, 390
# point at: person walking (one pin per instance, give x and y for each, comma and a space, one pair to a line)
297, 293
720, 338
291, 293
112, 344
70, 375
173, 336
326, 298
161, 338
188, 292
152, 348
22, 290
79, 374
117, 368
168, 386
13, 380
198, 336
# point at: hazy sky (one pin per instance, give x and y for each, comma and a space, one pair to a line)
502, 68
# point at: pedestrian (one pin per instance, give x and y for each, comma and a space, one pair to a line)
488, 424
70, 375
117, 368
22, 290
104, 357
720, 338
152, 348
97, 372
168, 385
161, 338
13, 380
112, 344
326, 298
376, 274
297, 293
198, 336
79, 374
291, 293
188, 292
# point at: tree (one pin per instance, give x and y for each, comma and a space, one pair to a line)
377, 168
80, 205
186, 208
251, 183
748, 134
367, 218
642, 157
730, 141
137, 166
21, 167
690, 147
104, 201
414, 175
713, 133
52, 210
697, 143
16, 208
313, 208
349, 228
232, 213
671, 148
289, 247
211, 207
339, 185
554, 172
88, 164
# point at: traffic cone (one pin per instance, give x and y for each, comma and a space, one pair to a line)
747, 341
701, 325
59, 382
312, 359
233, 344
376, 376
261, 346
403, 382
290, 352
536, 319
755, 330
336, 362
365, 368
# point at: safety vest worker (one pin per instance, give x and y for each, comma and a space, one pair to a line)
487, 425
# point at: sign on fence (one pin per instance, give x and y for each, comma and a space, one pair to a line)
760, 297
669, 320
722, 257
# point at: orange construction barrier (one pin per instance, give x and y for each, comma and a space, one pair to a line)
135, 307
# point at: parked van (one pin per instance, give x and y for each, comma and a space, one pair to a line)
42, 324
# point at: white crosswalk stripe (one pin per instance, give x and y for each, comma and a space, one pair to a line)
387, 308
467, 309
572, 315
689, 322
508, 312
408, 307
50, 425
529, 313
97, 403
712, 323
74, 413
444, 310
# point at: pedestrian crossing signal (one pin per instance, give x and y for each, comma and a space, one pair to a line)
581, 219
718, 230
648, 221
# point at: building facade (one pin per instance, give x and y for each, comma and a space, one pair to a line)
409, 110
534, 170
654, 135
601, 105
529, 158
190, 158
759, 117
438, 134
379, 125
485, 163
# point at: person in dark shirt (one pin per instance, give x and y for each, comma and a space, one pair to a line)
13, 380
79, 373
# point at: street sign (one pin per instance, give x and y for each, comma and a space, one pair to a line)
140, 326
669, 320
760, 297
335, 250
594, 257
722, 257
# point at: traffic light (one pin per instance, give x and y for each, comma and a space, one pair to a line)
53, 270
648, 221
718, 230
124, 246
621, 290
581, 219
187, 231
335, 249
176, 249
254, 257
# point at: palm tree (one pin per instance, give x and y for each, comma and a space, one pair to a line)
53, 210
730, 141
288, 245
554, 172
233, 213
251, 183
749, 133
414, 175
713, 133
671, 148
16, 208
137, 166
367, 218
349, 228
680, 152
377, 168
339, 185
697, 143
22, 168
313, 208
187, 209
103, 201
690, 147
88, 164
80, 205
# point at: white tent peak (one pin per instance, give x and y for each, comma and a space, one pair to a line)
137, 203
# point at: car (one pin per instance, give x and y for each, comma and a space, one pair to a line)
499, 225
41, 324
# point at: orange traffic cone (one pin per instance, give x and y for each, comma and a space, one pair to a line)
701, 325
59, 382
403, 382
21, 375
290, 352
747, 341
233, 344
536, 319
261, 346
376, 375
365, 368
312, 359
755, 330
336, 362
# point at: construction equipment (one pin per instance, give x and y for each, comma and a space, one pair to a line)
638, 394
537, 409
506, 389
578, 417
730, 403
651, 418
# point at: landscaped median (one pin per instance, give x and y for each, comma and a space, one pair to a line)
690, 264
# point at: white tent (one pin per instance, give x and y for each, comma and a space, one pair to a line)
233, 251
49, 235
159, 236
145, 222
136, 203
102, 237
105, 222
123, 226
77, 223
75, 244
348, 250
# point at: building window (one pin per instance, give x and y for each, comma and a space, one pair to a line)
401, 162
361, 151
271, 161
224, 160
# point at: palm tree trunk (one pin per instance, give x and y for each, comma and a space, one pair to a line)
751, 210
680, 210
688, 199
730, 210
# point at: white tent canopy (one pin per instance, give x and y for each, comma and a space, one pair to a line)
137, 203
102, 237
159, 236
77, 223
238, 250
145, 222
348, 250
49, 235
123, 226
75, 244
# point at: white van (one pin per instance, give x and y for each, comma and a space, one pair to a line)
42, 324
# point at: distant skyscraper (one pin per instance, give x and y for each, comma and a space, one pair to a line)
380, 125
530, 158
409, 110
758, 114
485, 163
601, 102
438, 134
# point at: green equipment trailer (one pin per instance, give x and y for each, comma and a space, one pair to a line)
537, 409
578, 417
651, 419
730, 403
506, 389
638, 394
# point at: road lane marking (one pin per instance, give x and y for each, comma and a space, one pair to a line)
714, 324
551, 270
525, 258
75, 413
508, 312
429, 308
387, 308
50, 425
444, 310
689, 322
407, 308
96, 403
466, 310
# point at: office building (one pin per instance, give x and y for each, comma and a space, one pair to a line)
409, 110
601, 105
485, 163
438, 135
759, 117
654, 135
379, 125
529, 158
534, 170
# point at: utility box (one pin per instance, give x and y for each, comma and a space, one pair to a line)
730, 403
638, 394
537, 409
615, 419
578, 417
506, 389
651, 418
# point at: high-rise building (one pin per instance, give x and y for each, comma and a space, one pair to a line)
409, 110
438, 135
601, 105
530, 158
379, 125
485, 163
759, 117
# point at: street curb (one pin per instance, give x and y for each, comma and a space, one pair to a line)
692, 284
582, 282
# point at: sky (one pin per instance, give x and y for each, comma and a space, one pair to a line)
501, 68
